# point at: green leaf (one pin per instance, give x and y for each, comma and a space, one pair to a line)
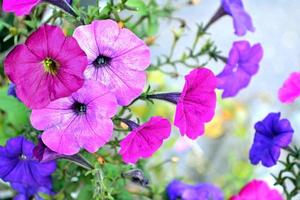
139, 5
13, 116
86, 192
17, 113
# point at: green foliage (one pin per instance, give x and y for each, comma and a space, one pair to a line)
289, 177
13, 116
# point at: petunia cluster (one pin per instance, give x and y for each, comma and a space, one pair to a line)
74, 86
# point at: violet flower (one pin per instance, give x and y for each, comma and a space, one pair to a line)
143, 141
241, 19
22, 171
195, 104
271, 134
242, 64
204, 191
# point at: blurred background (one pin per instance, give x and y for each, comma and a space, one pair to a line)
221, 155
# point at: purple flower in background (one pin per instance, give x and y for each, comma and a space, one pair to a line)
241, 19
22, 171
204, 191
272, 134
117, 58
242, 64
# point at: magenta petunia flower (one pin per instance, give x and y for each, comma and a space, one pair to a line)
196, 104
144, 140
257, 190
117, 58
19, 7
290, 89
24, 7
242, 64
82, 120
47, 67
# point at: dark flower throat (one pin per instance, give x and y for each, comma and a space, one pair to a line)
101, 61
79, 108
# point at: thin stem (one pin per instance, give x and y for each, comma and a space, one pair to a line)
220, 13
80, 161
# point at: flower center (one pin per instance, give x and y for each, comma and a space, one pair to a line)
50, 66
79, 108
101, 61
23, 157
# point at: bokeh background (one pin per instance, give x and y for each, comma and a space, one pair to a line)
221, 155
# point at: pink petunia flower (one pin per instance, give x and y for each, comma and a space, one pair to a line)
47, 67
196, 104
117, 58
24, 7
143, 141
257, 190
290, 89
82, 120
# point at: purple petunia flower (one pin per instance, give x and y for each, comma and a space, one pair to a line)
204, 191
24, 7
82, 120
22, 171
143, 141
43, 69
242, 64
241, 19
117, 58
195, 104
271, 134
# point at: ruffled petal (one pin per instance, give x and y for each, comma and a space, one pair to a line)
197, 103
144, 141
290, 89
19, 7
